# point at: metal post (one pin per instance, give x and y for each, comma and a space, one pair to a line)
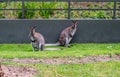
114, 10
69, 9
23, 9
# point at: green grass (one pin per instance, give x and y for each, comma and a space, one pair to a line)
100, 69
77, 50
97, 69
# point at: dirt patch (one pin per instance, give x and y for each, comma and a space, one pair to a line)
15, 71
67, 60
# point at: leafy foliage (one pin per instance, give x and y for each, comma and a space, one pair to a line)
46, 5
29, 13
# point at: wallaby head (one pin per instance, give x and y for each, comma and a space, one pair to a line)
74, 24
31, 34
32, 29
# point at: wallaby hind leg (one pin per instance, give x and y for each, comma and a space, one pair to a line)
67, 42
33, 47
39, 48
69, 39
42, 47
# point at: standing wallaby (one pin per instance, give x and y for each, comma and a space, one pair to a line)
37, 40
67, 34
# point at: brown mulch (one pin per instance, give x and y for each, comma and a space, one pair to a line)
16, 71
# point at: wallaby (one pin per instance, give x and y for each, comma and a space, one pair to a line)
66, 35
37, 40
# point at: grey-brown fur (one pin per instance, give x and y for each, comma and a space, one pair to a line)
37, 40
67, 34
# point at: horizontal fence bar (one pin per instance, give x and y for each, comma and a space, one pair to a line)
64, 0
62, 9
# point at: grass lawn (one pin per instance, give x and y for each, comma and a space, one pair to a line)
77, 50
91, 69
99, 69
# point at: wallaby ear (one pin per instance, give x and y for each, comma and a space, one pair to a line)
32, 27
74, 21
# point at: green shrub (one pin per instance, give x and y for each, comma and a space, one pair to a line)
2, 5
96, 14
46, 5
27, 13
42, 13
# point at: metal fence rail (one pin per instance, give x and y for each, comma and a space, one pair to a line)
114, 9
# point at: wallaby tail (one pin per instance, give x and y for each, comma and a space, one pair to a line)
54, 44
52, 48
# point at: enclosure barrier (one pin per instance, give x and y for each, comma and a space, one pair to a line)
69, 9
88, 30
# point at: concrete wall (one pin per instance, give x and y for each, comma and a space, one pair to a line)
16, 31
